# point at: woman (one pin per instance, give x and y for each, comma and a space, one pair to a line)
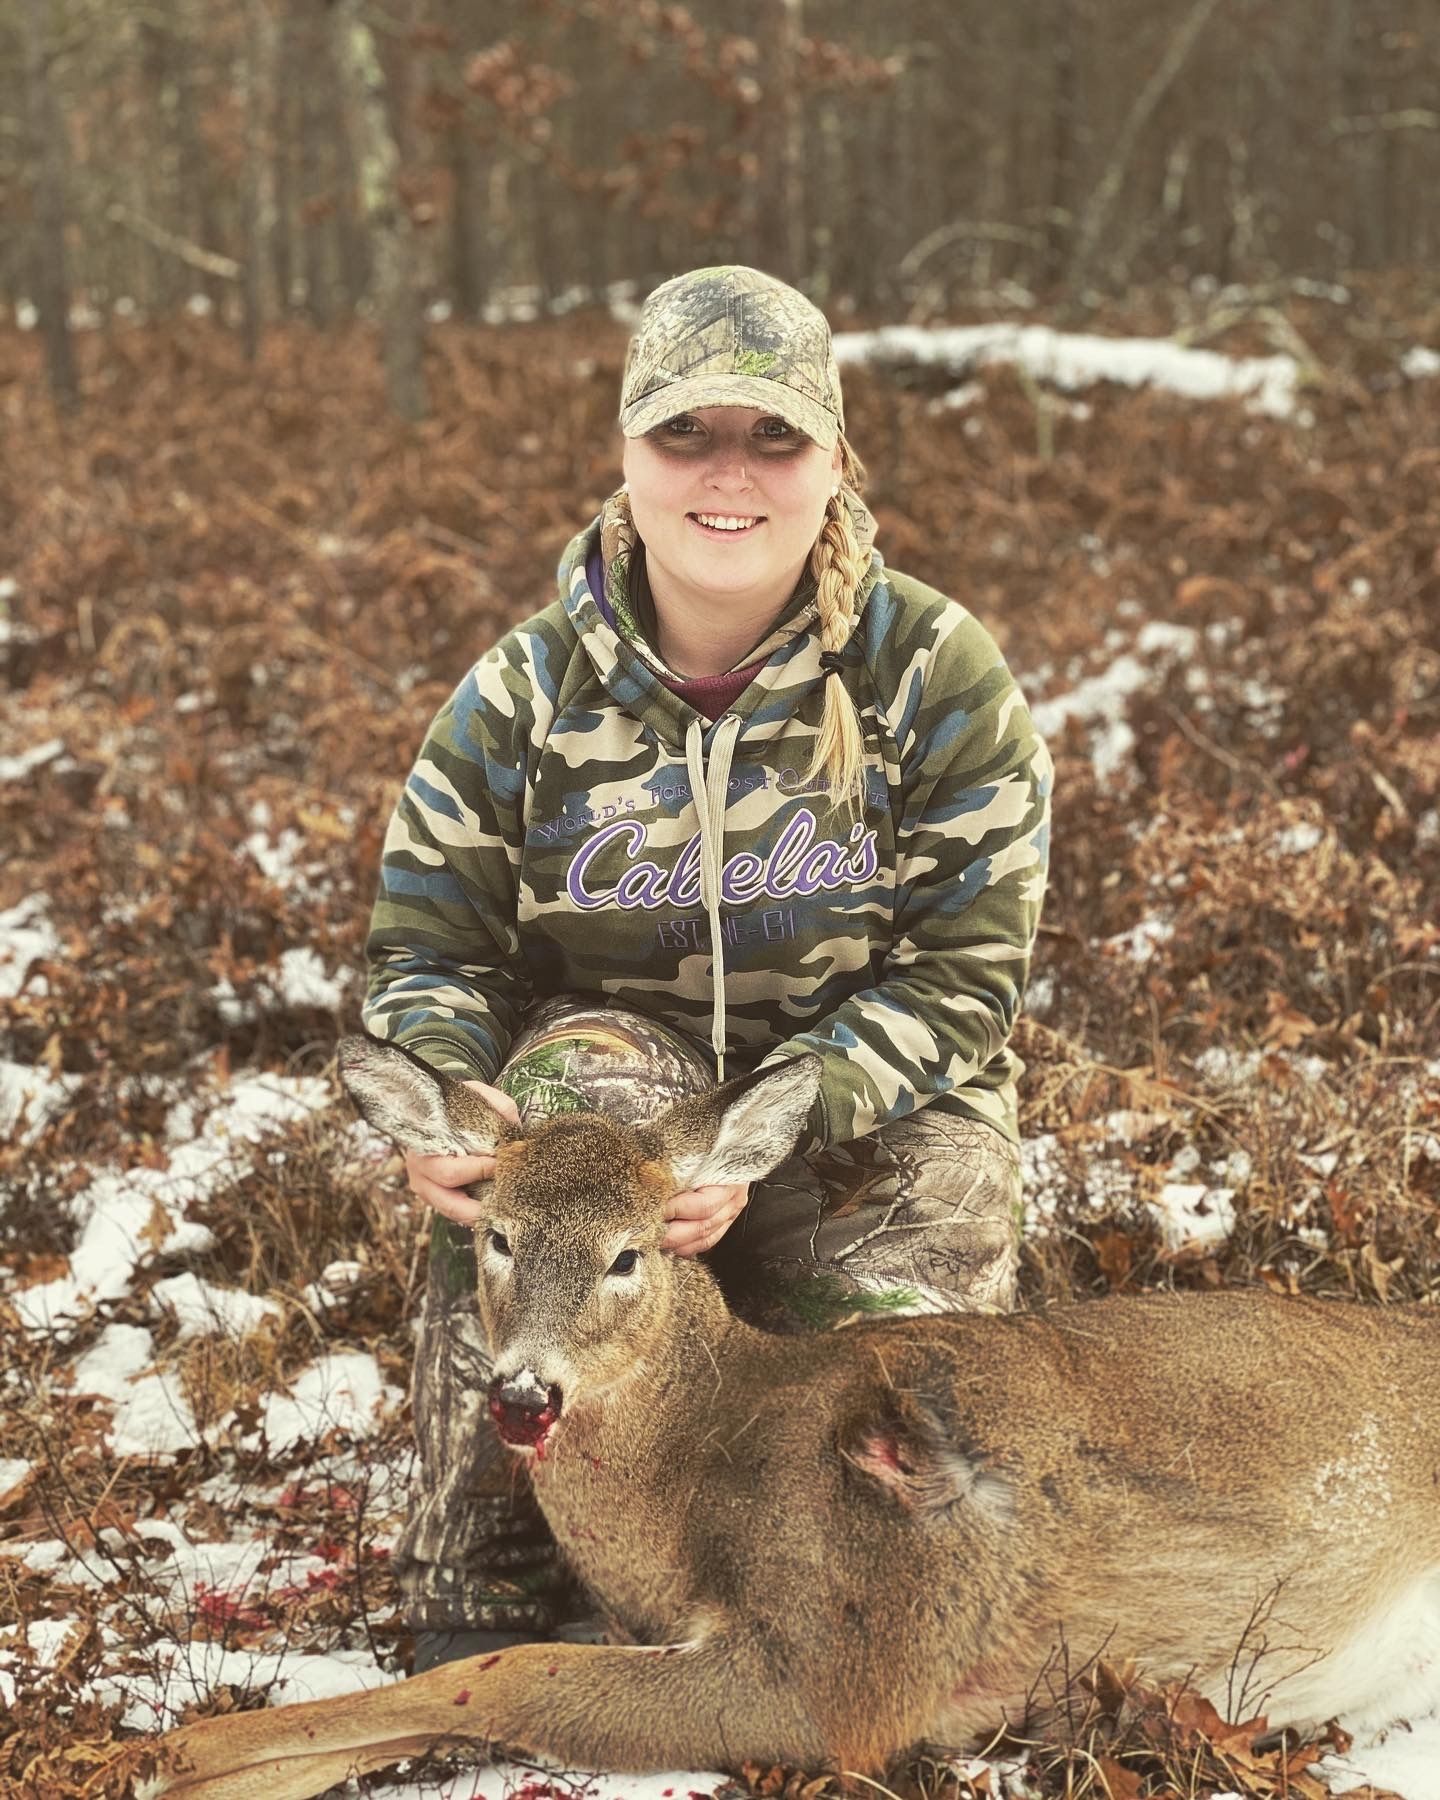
738, 785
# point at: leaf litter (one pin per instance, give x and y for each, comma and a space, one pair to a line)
235, 597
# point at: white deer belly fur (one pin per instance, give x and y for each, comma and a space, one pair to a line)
1388, 1670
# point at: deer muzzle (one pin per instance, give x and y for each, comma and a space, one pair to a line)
524, 1410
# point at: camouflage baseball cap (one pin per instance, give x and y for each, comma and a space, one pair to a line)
732, 337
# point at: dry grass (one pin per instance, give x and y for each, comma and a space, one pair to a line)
241, 594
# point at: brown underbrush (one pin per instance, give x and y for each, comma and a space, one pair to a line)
232, 599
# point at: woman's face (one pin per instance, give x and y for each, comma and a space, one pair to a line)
728, 500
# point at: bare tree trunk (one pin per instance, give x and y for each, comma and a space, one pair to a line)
196, 211
46, 130
282, 151
314, 99
397, 300
1059, 226
254, 64
1101, 205
783, 235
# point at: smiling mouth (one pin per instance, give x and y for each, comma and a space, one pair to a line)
725, 525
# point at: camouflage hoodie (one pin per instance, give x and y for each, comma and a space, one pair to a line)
548, 840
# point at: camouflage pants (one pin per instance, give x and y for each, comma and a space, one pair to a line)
920, 1216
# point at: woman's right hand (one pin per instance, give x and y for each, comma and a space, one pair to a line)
441, 1181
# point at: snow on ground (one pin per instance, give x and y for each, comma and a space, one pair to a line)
184, 1673
298, 980
26, 937
16, 768
1098, 701
499, 1780
1071, 360
29, 1096
341, 1391
1404, 1760
128, 1217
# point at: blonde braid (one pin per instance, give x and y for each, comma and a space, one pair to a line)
618, 538
839, 566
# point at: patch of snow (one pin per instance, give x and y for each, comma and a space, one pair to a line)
1040, 995
1420, 363
1141, 941
12, 1472
969, 393
1295, 840
205, 1310
1158, 637
151, 1416
1189, 1212
1323, 1162
1404, 1760
1129, 1125
288, 858
1044, 1179
500, 1780
185, 1673
336, 1280
1099, 700
341, 1391
16, 768
275, 857
1227, 1068
29, 1097
26, 937
1074, 360
303, 981
129, 1216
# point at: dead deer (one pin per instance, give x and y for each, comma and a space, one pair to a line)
832, 1548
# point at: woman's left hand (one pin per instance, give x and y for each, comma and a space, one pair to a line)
701, 1216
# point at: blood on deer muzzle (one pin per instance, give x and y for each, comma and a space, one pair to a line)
524, 1410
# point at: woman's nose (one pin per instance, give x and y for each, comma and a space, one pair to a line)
729, 463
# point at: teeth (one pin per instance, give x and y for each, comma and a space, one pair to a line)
724, 522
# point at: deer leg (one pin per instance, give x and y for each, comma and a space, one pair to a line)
709, 1704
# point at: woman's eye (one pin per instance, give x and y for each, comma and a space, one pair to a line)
776, 430
625, 1262
499, 1243
682, 425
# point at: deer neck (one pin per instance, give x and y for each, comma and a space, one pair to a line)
676, 1377
616, 1483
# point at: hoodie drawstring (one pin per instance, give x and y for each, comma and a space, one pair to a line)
709, 788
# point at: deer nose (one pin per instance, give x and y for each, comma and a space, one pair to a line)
524, 1408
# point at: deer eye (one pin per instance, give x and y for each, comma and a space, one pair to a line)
625, 1262
498, 1242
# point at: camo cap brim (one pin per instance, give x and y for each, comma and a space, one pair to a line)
732, 336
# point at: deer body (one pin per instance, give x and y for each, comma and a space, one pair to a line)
841, 1545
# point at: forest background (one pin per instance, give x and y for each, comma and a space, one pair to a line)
311, 325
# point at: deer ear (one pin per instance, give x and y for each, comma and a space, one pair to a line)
741, 1131
415, 1106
